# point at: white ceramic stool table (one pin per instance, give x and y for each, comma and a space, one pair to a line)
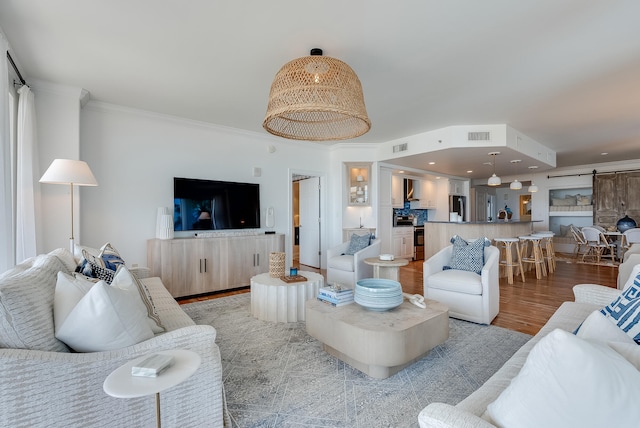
277, 301
386, 269
121, 384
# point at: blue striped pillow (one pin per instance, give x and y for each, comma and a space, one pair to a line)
625, 310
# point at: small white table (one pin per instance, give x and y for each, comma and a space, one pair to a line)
277, 301
121, 384
386, 269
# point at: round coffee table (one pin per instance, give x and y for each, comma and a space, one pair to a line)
387, 269
275, 300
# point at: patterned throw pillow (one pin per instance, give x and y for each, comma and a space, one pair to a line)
467, 256
103, 266
110, 257
357, 243
625, 310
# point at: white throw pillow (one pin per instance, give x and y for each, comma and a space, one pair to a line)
570, 382
106, 318
598, 328
630, 351
125, 280
635, 273
69, 291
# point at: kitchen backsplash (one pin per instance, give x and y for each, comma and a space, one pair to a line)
421, 215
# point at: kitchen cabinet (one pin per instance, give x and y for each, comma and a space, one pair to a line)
397, 191
358, 184
402, 242
192, 266
456, 187
425, 192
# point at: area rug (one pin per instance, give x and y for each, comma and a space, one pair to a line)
275, 375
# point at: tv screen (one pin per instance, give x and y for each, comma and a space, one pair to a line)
215, 205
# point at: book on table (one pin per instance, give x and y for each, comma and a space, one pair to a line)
337, 298
336, 291
335, 303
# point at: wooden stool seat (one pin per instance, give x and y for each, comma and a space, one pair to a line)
548, 252
534, 256
508, 262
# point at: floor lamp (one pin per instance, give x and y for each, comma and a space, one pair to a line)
68, 171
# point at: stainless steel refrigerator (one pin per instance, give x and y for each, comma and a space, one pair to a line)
458, 203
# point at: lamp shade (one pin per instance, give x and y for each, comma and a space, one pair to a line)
316, 98
494, 180
533, 188
69, 171
515, 185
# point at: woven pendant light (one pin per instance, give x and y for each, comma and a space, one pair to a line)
316, 98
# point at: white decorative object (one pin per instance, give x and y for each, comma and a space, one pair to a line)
165, 227
161, 211
387, 257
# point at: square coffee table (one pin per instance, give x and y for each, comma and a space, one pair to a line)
379, 344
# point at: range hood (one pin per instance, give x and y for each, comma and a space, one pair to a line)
408, 190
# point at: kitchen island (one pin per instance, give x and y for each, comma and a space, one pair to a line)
437, 234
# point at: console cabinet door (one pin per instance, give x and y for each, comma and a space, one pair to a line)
241, 259
211, 265
176, 262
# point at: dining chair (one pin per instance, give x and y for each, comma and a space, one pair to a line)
598, 245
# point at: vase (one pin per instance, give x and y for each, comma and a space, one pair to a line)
626, 223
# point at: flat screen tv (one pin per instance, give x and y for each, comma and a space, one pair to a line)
215, 205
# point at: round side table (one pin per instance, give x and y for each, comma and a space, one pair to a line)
277, 301
387, 269
122, 384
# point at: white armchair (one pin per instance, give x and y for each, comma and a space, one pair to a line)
470, 296
346, 269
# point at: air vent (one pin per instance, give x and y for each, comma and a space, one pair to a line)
479, 136
400, 147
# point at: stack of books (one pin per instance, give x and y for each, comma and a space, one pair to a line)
335, 295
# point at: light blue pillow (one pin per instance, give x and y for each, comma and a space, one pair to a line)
467, 256
625, 310
357, 243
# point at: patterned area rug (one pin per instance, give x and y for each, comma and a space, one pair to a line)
275, 375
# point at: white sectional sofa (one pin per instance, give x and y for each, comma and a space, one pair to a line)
44, 384
472, 411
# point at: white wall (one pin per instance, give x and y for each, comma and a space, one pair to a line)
58, 122
135, 155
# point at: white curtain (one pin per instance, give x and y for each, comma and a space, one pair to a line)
27, 184
6, 207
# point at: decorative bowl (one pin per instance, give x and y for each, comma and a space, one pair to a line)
378, 294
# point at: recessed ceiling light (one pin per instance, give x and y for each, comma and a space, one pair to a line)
470, 171
533, 167
438, 178
432, 163
401, 171
604, 153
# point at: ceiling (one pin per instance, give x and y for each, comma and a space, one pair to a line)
566, 74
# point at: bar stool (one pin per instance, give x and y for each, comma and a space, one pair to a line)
548, 252
506, 244
534, 256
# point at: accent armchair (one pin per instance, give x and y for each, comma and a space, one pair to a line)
470, 296
346, 269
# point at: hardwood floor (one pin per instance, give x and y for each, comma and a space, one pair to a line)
524, 307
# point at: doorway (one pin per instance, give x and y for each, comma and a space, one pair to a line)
306, 222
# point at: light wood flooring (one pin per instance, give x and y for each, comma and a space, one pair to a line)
524, 307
